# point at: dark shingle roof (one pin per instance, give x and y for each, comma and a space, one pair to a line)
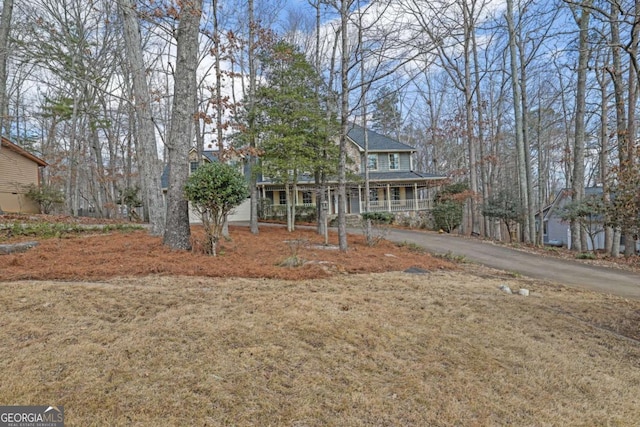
212, 156
377, 142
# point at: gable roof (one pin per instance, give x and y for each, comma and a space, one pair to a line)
377, 142
549, 210
211, 155
24, 153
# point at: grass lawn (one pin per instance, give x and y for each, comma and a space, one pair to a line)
440, 349
124, 332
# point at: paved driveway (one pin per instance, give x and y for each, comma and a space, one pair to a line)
567, 272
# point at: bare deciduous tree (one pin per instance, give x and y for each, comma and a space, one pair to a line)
147, 148
177, 233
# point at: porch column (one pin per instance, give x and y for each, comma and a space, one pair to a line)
415, 196
389, 197
359, 198
264, 192
329, 201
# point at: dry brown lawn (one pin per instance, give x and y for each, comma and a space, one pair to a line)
327, 344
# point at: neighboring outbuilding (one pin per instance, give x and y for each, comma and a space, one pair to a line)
557, 232
555, 229
18, 170
239, 214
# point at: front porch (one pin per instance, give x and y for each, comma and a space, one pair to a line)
393, 198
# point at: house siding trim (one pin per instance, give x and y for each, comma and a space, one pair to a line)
18, 170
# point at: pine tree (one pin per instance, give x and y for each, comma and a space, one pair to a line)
291, 122
386, 118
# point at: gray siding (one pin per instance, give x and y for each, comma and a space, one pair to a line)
383, 162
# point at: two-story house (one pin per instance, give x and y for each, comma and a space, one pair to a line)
394, 185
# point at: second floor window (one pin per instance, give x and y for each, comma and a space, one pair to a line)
372, 162
193, 166
394, 161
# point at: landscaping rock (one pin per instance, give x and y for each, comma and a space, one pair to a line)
505, 289
416, 270
17, 247
524, 292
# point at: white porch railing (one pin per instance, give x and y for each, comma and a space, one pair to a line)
374, 206
398, 205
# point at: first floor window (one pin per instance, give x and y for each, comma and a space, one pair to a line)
373, 195
283, 197
395, 195
307, 199
193, 166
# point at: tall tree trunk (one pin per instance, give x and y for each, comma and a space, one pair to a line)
5, 29
604, 152
629, 235
219, 106
484, 175
100, 190
539, 240
332, 105
218, 70
368, 232
71, 178
177, 233
618, 93
577, 179
146, 140
517, 107
495, 127
530, 212
320, 175
344, 117
471, 145
253, 163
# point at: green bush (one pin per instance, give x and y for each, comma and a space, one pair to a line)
378, 217
447, 215
306, 213
46, 196
214, 189
585, 255
44, 230
412, 247
448, 206
376, 226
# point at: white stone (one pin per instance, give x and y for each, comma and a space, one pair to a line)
524, 292
506, 289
